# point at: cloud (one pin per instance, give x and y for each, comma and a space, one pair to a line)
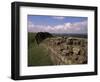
35, 28
58, 17
76, 27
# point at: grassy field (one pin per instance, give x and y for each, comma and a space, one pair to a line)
37, 55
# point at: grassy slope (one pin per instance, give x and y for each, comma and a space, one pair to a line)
37, 55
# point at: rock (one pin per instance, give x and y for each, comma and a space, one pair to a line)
69, 50
76, 50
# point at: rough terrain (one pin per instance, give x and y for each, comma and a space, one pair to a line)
69, 50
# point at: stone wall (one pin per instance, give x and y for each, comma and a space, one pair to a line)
67, 50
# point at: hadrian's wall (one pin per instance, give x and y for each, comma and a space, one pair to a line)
67, 50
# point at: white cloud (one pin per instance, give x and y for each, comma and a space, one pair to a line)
77, 27
58, 17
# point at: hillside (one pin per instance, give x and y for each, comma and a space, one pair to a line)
56, 50
37, 55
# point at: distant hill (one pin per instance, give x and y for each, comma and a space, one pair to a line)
72, 35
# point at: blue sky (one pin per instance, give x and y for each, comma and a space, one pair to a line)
57, 24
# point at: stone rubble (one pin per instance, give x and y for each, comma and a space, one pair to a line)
67, 50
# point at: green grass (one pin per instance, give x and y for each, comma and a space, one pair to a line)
37, 55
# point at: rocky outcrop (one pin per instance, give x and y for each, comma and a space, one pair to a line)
67, 50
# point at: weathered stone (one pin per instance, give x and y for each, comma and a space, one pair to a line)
68, 50
76, 50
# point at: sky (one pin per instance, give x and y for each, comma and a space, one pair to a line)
57, 24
